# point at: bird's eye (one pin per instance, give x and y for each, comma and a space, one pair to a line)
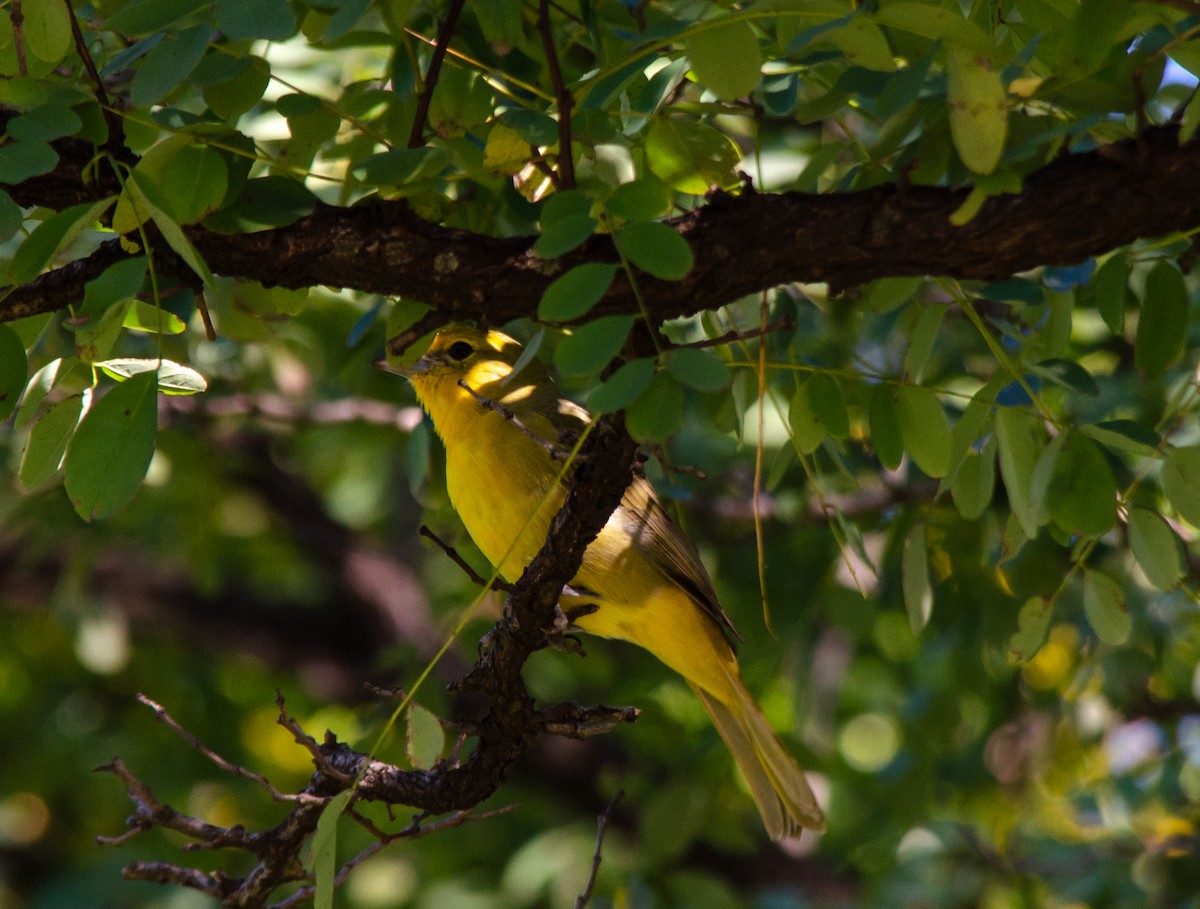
460, 350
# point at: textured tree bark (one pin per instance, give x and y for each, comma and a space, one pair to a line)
1078, 205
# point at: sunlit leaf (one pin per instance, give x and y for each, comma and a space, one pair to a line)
424, 738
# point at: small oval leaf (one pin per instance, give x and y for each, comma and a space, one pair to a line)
1104, 606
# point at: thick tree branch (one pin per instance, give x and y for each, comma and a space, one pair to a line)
1079, 205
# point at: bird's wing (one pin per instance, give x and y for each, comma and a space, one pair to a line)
669, 549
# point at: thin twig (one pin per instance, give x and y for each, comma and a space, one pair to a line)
601, 827
202, 306
556, 451
308, 742
563, 98
18, 26
496, 584
106, 107
782, 324
417, 137
161, 714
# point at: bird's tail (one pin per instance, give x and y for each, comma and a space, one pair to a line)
776, 781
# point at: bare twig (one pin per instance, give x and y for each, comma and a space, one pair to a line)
563, 98
161, 714
601, 828
476, 577
81, 48
574, 721
417, 137
18, 26
305, 740
783, 324
557, 452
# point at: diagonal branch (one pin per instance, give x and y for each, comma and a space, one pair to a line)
416, 138
565, 101
449, 787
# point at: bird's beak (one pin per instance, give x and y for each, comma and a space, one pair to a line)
420, 367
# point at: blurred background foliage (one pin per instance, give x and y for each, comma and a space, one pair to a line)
979, 508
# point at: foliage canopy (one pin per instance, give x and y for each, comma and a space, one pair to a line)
909, 283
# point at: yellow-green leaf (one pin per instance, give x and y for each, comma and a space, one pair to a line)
978, 108
726, 58
1104, 606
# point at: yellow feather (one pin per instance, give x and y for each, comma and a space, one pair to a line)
641, 572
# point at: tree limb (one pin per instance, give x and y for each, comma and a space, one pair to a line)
1079, 205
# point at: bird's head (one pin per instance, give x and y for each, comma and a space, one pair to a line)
483, 361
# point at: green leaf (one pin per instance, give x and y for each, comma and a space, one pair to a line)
914, 579
883, 416
47, 30
864, 44
269, 19
1122, 435
149, 318
1162, 324
112, 448
690, 156
923, 338
47, 442
574, 293
826, 402
1019, 452
808, 432
14, 370
564, 235
232, 97
36, 389
1082, 496
1181, 482
1156, 548
924, 429
698, 369
622, 388
173, 378
324, 849
659, 412
424, 738
119, 282
51, 236
644, 199
1111, 287
1104, 606
170, 229
46, 122
11, 217
402, 166
167, 64
535, 127
152, 15
264, 202
197, 178
591, 346
656, 249
978, 108
726, 58
975, 483
1033, 621
21, 160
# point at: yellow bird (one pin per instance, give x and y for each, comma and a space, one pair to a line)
641, 572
